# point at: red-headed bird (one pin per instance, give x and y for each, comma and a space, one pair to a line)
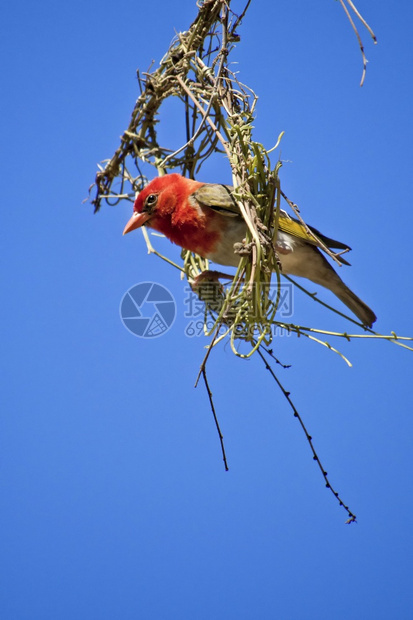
204, 218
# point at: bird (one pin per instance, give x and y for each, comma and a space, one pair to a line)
205, 218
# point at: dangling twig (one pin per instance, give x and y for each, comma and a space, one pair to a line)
363, 21
211, 402
352, 516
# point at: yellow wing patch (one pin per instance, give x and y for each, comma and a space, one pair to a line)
294, 228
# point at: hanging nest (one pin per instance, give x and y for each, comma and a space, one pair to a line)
218, 112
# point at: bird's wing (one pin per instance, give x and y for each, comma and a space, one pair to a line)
219, 198
293, 227
296, 229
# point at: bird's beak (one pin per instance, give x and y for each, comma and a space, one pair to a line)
136, 221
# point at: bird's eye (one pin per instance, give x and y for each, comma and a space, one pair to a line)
151, 200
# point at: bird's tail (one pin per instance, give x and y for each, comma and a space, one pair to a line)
356, 305
307, 261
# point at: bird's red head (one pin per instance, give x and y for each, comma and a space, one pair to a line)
159, 199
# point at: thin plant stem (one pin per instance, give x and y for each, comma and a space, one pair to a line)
351, 515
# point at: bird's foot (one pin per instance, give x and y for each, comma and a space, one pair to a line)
211, 276
209, 289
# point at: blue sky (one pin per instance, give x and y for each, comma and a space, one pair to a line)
114, 499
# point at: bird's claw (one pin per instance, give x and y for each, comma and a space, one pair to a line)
209, 289
210, 276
